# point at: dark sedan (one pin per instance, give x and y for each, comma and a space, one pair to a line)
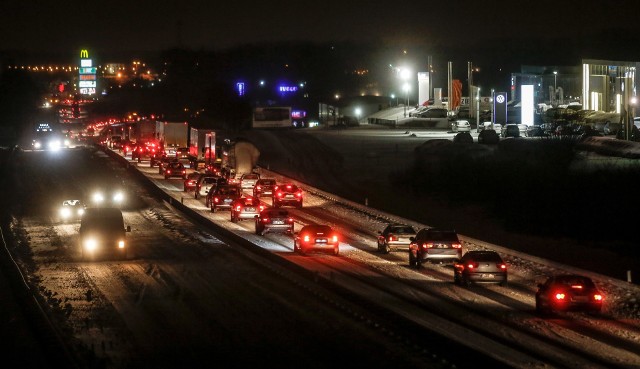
568, 293
480, 267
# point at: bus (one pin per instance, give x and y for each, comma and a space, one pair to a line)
272, 117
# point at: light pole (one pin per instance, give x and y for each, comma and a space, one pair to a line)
478, 111
406, 88
358, 111
555, 86
393, 96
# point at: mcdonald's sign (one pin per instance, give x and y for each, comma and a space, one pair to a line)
84, 54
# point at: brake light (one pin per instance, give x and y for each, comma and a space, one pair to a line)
598, 297
258, 188
238, 208
560, 296
184, 171
577, 286
279, 194
215, 199
261, 207
392, 238
305, 238
168, 171
456, 245
334, 239
502, 266
288, 187
470, 266
298, 194
290, 220
427, 245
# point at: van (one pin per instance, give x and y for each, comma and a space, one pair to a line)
102, 232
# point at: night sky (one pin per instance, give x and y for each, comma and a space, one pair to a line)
124, 26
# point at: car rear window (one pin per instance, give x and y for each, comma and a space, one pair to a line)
442, 236
317, 229
250, 176
575, 280
403, 230
268, 182
483, 256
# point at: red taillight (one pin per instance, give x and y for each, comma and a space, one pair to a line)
279, 194
392, 238
290, 220
238, 208
298, 194
261, 207
334, 238
456, 245
288, 187
560, 296
470, 266
168, 171
305, 238
184, 171
598, 297
265, 220
502, 266
577, 286
427, 245
215, 199
258, 188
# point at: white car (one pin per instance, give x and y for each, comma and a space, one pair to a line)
461, 126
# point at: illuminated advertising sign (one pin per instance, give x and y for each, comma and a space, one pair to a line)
500, 107
87, 84
240, 88
87, 77
86, 63
88, 70
298, 114
527, 105
87, 91
287, 89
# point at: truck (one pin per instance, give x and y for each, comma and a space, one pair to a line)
145, 131
202, 147
172, 135
239, 157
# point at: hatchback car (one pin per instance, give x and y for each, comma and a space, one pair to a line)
223, 197
248, 180
395, 237
191, 181
461, 126
71, 210
274, 220
568, 293
287, 194
264, 187
434, 245
480, 267
316, 237
204, 184
175, 169
164, 163
245, 208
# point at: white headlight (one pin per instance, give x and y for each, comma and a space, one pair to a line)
65, 212
98, 197
121, 244
118, 197
80, 211
90, 244
37, 145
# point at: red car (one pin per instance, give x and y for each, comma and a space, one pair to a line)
246, 208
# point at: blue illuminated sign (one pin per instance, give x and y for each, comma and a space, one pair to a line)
240, 88
286, 89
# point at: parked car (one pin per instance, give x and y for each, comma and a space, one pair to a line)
461, 126
316, 237
264, 187
488, 136
274, 220
511, 130
480, 267
432, 244
395, 237
569, 292
245, 208
536, 131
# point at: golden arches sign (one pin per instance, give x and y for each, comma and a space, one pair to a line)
84, 53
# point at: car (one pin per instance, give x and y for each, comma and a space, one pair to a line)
511, 130
218, 181
461, 126
395, 237
223, 197
568, 292
431, 244
274, 220
146, 150
71, 210
264, 187
488, 136
316, 237
245, 208
248, 180
287, 194
536, 131
164, 162
108, 198
480, 267
102, 231
175, 169
433, 113
204, 185
191, 181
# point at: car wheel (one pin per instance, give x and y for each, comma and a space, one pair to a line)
412, 260
233, 219
540, 309
465, 282
213, 209
336, 251
166, 177
503, 283
206, 203
196, 194
418, 262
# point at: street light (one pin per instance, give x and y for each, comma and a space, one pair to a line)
393, 96
406, 87
358, 111
555, 85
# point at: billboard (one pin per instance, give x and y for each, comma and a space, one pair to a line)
500, 107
